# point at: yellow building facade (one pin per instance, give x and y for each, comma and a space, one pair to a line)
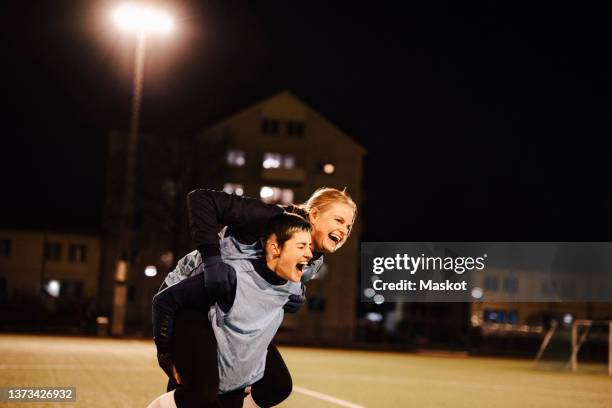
64, 264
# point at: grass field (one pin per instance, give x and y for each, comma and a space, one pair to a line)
123, 373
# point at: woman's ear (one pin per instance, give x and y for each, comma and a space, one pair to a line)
272, 246
313, 214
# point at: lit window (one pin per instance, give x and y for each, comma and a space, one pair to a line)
5, 248
286, 196
329, 168
233, 188
295, 129
236, 158
53, 288
53, 251
277, 160
374, 317
270, 126
494, 316
288, 161
269, 194
150, 271
272, 195
77, 253
272, 160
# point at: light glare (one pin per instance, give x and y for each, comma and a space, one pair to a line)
53, 288
374, 317
329, 168
142, 19
150, 271
266, 192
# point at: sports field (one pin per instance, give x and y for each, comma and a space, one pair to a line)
123, 373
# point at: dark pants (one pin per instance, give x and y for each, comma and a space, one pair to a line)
194, 352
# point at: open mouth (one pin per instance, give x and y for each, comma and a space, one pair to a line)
300, 267
334, 237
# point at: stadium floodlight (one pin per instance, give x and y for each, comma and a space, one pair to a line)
142, 19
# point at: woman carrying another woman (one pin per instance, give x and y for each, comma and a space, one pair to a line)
229, 226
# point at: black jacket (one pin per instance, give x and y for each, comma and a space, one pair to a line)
210, 211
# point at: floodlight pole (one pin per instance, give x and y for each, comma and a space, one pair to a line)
127, 219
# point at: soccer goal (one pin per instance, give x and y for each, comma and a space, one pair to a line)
582, 332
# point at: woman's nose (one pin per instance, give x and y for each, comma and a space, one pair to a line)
308, 253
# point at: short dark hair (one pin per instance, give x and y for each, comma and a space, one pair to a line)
284, 226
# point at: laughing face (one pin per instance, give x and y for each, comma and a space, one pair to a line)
293, 256
331, 226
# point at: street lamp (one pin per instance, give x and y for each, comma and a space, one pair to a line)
142, 21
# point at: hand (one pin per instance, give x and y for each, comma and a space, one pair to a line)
295, 302
219, 282
165, 362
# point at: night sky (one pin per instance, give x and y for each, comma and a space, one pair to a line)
483, 120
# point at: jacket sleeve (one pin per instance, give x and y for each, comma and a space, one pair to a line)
210, 211
201, 291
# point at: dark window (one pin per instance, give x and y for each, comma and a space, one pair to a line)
77, 253
5, 248
71, 289
137, 222
491, 283
568, 289
131, 293
511, 285
512, 317
295, 129
53, 251
270, 126
549, 288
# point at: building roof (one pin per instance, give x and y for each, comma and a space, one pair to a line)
284, 97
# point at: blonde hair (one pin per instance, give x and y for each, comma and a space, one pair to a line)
324, 197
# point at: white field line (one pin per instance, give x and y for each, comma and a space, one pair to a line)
326, 397
96, 367
459, 383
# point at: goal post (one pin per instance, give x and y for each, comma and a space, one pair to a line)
578, 342
579, 335
549, 334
